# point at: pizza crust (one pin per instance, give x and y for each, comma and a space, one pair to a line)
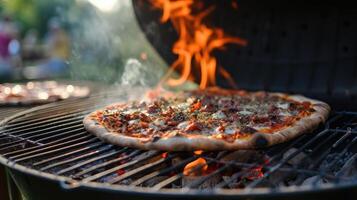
197, 142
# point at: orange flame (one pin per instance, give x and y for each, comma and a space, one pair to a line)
198, 152
196, 41
195, 168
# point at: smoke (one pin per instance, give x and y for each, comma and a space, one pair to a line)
95, 53
107, 46
138, 74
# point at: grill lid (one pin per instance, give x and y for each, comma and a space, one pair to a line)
50, 141
293, 46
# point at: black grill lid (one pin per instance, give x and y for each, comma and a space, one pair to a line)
307, 47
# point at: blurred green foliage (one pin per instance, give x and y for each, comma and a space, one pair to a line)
34, 13
102, 42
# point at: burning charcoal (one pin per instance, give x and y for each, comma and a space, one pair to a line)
326, 164
245, 156
298, 159
282, 177
207, 184
150, 155
146, 154
349, 169
176, 160
176, 186
337, 160
230, 184
288, 177
197, 167
241, 182
126, 182
196, 170
313, 180
256, 158
108, 178
155, 180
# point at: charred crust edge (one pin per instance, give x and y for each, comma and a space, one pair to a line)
260, 141
155, 138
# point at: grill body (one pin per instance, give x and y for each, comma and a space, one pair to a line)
299, 47
41, 188
6, 112
49, 154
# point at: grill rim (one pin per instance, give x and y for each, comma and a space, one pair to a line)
68, 183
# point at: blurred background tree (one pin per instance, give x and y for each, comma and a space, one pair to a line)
104, 40
34, 14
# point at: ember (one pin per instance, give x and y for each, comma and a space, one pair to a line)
120, 172
164, 155
255, 173
198, 152
196, 42
196, 168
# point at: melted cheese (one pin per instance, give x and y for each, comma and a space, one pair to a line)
218, 115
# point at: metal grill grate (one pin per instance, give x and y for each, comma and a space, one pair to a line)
51, 139
8, 111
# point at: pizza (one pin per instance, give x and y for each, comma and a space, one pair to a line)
210, 119
38, 92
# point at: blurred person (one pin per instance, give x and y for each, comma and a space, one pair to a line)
30, 45
8, 33
58, 49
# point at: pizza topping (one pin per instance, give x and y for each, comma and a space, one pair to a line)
260, 119
134, 121
159, 122
179, 117
144, 125
143, 117
193, 126
220, 129
245, 112
172, 123
282, 105
230, 130
196, 106
183, 125
208, 108
153, 108
221, 115
247, 129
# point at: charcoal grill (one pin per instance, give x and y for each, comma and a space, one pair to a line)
9, 110
6, 112
301, 47
47, 147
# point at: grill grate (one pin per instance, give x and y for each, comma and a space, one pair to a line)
8, 111
51, 139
